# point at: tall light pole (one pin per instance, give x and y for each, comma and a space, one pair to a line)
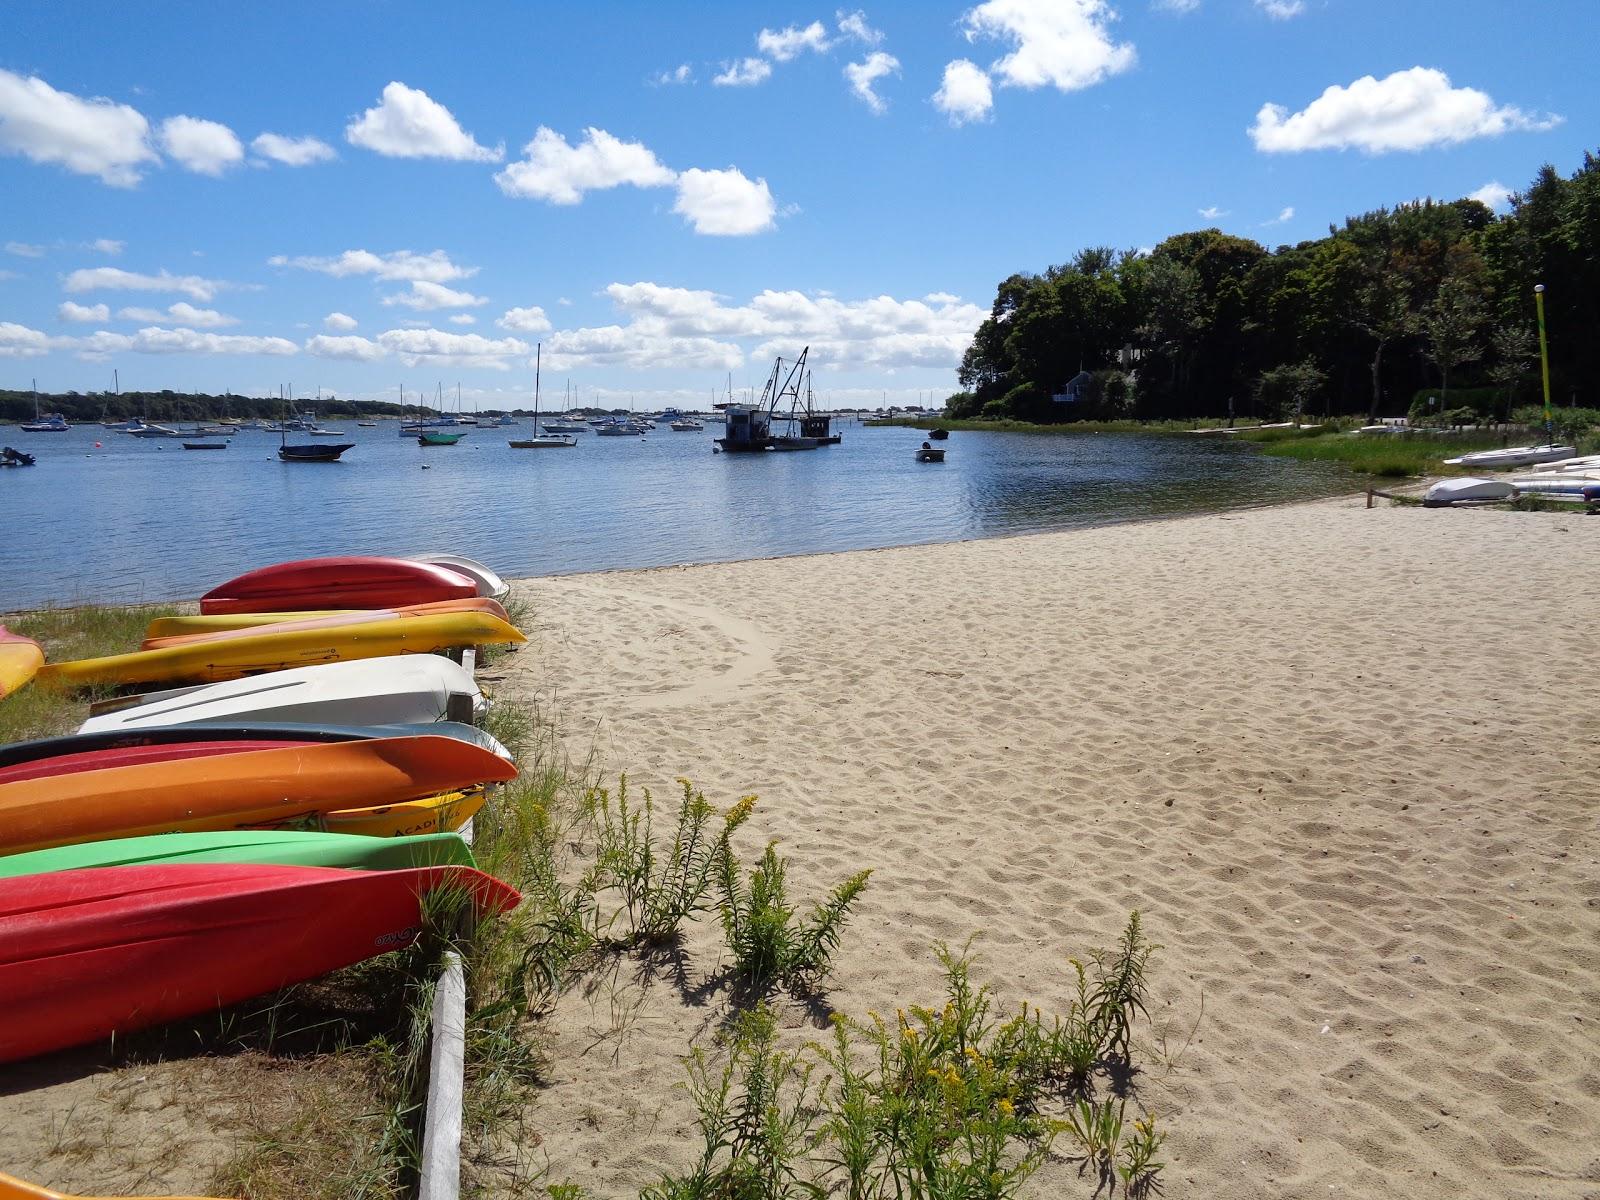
1544, 365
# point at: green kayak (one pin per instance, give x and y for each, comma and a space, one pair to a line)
249, 846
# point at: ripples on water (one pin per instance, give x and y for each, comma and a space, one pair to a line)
146, 520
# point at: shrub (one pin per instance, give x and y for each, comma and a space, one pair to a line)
768, 944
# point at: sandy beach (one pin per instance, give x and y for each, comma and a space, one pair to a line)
1345, 761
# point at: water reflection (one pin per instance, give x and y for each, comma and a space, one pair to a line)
138, 520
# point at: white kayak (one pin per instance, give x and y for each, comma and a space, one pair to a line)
1513, 456
403, 689
489, 583
1448, 491
1571, 483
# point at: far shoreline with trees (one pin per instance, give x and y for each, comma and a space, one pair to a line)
1426, 310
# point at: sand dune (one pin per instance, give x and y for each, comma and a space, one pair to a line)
1346, 761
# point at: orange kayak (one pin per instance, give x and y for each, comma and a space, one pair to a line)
20, 660
232, 791
181, 631
16, 1189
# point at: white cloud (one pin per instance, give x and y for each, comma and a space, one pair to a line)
744, 72
781, 45
352, 349
463, 319
698, 329
1494, 194
559, 173
1285, 215
292, 151
204, 147
4, 274
965, 95
141, 314
24, 250
18, 341
1213, 212
863, 75
90, 279
89, 137
1281, 10
107, 246
854, 26
724, 203
425, 297
564, 302
682, 73
1063, 43
405, 265
155, 340
525, 320
438, 347
1180, 7
339, 322
199, 318
1408, 110
70, 311
409, 123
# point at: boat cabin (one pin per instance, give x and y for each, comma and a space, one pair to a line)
746, 428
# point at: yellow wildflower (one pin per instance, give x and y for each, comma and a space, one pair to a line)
1006, 1107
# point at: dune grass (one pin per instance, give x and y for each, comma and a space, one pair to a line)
82, 631
1386, 456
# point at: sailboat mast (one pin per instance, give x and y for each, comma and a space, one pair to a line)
538, 361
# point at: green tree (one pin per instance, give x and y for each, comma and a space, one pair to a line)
1451, 325
1289, 387
1515, 348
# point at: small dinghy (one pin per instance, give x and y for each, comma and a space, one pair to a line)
930, 454
1512, 456
1452, 491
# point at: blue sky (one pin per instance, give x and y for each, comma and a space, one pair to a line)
450, 185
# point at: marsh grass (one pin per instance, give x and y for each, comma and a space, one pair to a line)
1388, 456
86, 631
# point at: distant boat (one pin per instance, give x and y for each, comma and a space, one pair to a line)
48, 423
317, 452
156, 431
14, 458
616, 428
537, 442
320, 432
440, 437
788, 442
205, 445
367, 424
930, 454
564, 425
686, 425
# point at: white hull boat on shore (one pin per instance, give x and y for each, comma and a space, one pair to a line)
1451, 491
1512, 456
489, 582
401, 689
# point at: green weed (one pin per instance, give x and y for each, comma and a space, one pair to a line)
769, 944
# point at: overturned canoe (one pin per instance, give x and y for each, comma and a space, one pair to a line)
346, 582
377, 691
283, 847
20, 660
163, 629
436, 814
254, 653
488, 581
86, 955
233, 791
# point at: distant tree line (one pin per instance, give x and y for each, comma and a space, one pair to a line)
1427, 307
184, 406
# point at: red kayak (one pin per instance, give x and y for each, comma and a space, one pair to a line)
128, 756
352, 582
91, 953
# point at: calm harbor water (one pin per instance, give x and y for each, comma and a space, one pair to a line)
138, 520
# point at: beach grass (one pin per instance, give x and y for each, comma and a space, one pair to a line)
1387, 457
81, 631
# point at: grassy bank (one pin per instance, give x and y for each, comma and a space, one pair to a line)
975, 425
1389, 456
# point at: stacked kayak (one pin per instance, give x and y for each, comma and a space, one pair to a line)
284, 815
114, 949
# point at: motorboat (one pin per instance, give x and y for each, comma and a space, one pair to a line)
205, 445
15, 458
616, 428
314, 452
1453, 491
564, 425
156, 431
1513, 456
686, 425
440, 437
49, 423
929, 454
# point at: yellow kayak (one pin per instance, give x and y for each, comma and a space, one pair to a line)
200, 624
20, 660
253, 654
436, 814
16, 1189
